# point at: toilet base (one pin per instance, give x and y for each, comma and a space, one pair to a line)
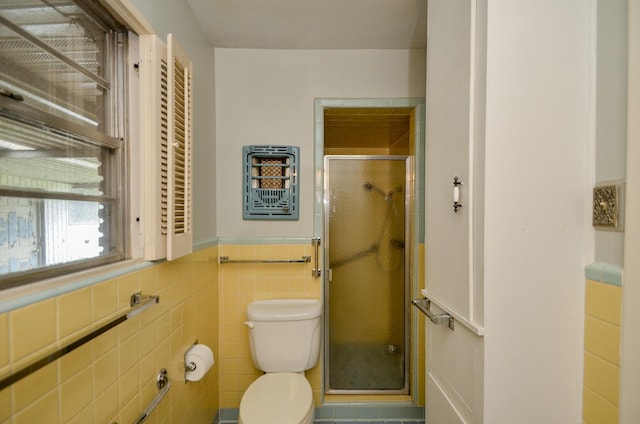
277, 398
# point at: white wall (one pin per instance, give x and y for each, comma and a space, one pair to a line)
176, 17
539, 136
267, 97
611, 113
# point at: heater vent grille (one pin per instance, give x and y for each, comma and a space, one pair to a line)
270, 182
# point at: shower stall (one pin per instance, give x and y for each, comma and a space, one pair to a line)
367, 280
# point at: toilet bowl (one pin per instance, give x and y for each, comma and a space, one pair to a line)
284, 340
278, 398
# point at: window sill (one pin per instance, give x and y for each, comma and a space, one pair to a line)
18, 297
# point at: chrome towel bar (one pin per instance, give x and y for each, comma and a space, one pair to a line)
138, 304
226, 260
424, 305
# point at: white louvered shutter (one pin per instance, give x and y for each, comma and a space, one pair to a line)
180, 184
167, 133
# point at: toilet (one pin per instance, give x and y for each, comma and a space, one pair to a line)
284, 339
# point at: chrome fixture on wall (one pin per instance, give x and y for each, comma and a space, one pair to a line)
226, 260
424, 305
139, 303
163, 384
315, 272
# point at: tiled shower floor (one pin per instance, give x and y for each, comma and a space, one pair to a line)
361, 366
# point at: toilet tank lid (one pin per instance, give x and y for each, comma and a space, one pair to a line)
284, 309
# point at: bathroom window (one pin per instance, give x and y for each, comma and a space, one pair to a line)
62, 138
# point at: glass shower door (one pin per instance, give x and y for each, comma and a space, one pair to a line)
366, 283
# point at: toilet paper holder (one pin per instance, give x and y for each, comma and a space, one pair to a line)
198, 360
189, 365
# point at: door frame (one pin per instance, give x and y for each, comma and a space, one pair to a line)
630, 337
416, 385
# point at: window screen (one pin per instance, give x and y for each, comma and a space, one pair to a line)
61, 138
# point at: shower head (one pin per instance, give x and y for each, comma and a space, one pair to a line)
398, 244
368, 186
387, 195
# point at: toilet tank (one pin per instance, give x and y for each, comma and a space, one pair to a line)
284, 334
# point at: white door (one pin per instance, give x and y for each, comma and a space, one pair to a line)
454, 173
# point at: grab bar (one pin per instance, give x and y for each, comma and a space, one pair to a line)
138, 303
163, 385
226, 260
315, 272
424, 305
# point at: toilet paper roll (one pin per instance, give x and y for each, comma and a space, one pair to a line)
202, 357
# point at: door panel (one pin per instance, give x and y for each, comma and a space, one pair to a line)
456, 56
455, 369
441, 409
366, 336
447, 152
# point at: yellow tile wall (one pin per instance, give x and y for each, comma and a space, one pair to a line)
241, 284
602, 352
112, 378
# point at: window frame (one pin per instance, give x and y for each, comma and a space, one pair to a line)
114, 139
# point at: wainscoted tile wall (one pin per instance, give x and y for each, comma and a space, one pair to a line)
240, 284
112, 378
602, 345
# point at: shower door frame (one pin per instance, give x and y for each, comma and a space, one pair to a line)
408, 254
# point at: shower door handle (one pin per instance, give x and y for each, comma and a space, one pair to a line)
424, 305
315, 242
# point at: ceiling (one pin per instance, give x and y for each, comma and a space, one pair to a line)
313, 24
326, 25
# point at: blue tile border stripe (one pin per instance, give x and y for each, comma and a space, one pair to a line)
349, 414
604, 273
97, 275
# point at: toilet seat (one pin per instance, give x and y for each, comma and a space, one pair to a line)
277, 398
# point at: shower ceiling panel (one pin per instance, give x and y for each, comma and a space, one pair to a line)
371, 127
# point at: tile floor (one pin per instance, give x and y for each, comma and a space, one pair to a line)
350, 414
